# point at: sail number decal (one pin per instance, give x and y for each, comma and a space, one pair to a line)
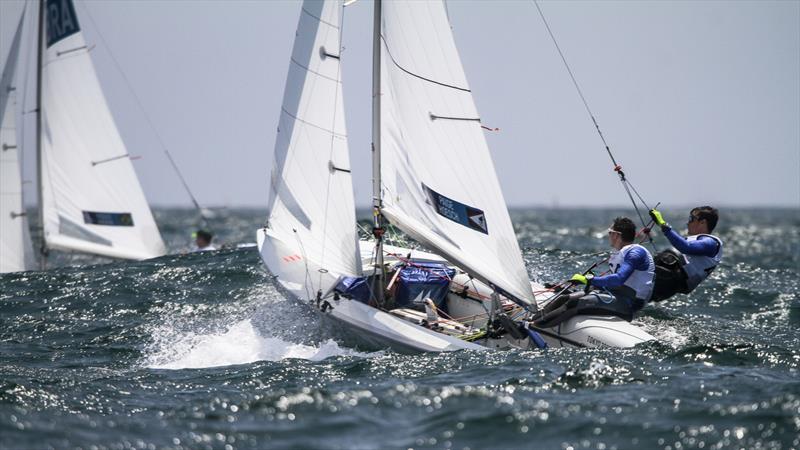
61, 19
458, 212
109, 219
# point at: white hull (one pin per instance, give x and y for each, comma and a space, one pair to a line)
382, 329
589, 331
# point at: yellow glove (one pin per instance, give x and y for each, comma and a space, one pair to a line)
656, 215
582, 279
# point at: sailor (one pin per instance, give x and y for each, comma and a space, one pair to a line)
627, 288
700, 253
202, 240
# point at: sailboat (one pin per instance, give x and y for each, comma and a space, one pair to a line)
16, 251
90, 199
433, 178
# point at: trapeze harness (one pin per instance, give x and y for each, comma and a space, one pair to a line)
621, 301
678, 272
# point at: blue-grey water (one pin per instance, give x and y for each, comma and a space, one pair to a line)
200, 351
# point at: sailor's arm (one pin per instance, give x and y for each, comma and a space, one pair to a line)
703, 246
636, 259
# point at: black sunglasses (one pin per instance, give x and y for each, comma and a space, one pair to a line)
694, 219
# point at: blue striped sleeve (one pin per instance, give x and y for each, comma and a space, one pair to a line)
703, 246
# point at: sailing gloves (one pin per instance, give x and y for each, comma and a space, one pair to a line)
582, 279
656, 215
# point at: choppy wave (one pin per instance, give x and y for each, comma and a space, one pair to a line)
204, 351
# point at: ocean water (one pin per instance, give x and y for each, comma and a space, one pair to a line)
196, 351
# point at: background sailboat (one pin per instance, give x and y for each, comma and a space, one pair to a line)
16, 252
90, 198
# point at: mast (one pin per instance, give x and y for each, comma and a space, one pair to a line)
377, 226
39, 56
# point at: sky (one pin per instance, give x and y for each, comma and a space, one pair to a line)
699, 101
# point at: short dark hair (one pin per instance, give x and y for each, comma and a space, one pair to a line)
626, 228
707, 213
204, 235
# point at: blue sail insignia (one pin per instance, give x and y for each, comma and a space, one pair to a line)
62, 21
107, 218
458, 212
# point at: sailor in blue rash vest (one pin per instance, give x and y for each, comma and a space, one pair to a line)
700, 253
627, 288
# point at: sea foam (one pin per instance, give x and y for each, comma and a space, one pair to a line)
239, 344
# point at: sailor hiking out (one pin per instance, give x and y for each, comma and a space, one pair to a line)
621, 293
202, 241
682, 269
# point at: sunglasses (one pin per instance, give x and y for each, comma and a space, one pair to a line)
694, 219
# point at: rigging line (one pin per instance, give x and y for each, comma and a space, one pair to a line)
147, 117
574, 81
617, 167
640, 197
575, 258
331, 173
305, 263
24, 100
639, 213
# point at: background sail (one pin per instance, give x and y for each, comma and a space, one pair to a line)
92, 200
311, 193
16, 252
439, 183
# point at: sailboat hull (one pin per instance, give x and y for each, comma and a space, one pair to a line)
366, 323
386, 330
584, 330
380, 329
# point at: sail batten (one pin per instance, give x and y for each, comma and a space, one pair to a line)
438, 178
91, 197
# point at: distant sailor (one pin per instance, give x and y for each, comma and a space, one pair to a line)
627, 288
700, 253
203, 241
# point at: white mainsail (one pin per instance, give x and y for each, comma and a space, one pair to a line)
16, 252
311, 203
91, 198
438, 178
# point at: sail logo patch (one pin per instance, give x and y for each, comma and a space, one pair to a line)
478, 220
458, 212
62, 21
108, 219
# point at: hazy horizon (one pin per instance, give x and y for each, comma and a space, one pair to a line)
699, 101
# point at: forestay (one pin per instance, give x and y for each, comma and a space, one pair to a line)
16, 253
311, 194
438, 179
92, 200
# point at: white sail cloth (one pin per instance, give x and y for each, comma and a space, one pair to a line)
92, 200
311, 204
438, 179
16, 253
